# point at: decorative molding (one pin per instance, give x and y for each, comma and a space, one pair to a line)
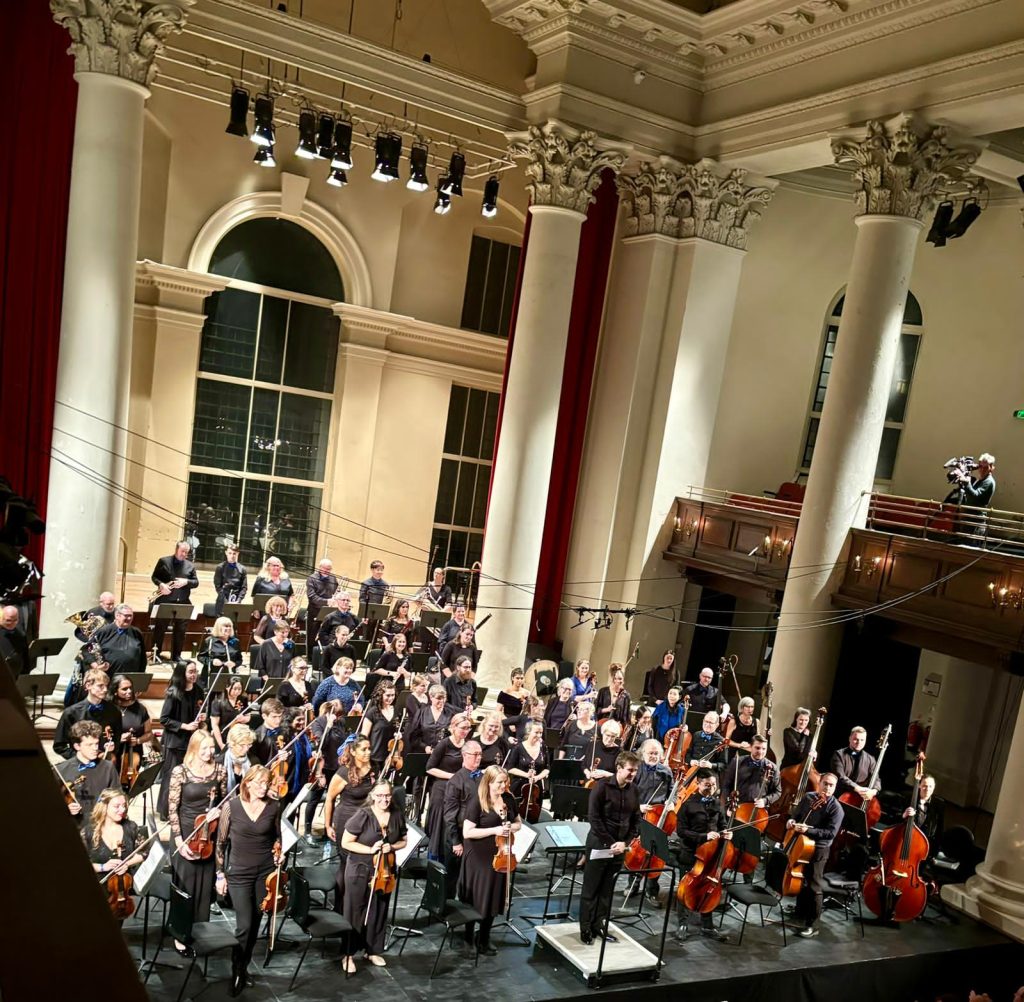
563, 164
163, 286
700, 200
119, 37
903, 168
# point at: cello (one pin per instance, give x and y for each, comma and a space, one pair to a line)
799, 850
687, 786
700, 890
894, 890
750, 815
661, 816
678, 741
796, 780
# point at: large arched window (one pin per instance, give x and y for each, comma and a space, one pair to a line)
264, 394
899, 390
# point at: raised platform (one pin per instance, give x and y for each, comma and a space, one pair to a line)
625, 959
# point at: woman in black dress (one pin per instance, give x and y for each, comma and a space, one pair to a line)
560, 709
740, 730
180, 717
796, 739
272, 658
295, 692
493, 746
346, 793
461, 646
247, 847
398, 625
220, 650
275, 611
110, 838
231, 709
511, 699
445, 760
416, 698
379, 724
136, 725
197, 787
273, 580
376, 828
490, 813
613, 700
578, 738
393, 665
528, 757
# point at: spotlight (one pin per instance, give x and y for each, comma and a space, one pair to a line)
341, 157
337, 178
307, 136
443, 202
388, 149
265, 157
937, 233
418, 168
456, 169
490, 203
263, 126
968, 213
324, 130
239, 123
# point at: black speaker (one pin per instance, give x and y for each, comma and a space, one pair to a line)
547, 684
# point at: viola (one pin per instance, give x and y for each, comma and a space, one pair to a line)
504, 858
119, 895
130, 762
68, 788
385, 872
894, 890
276, 885
279, 773
530, 801
700, 890
796, 780
799, 850
200, 843
108, 737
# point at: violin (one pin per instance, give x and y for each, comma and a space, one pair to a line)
701, 889
394, 761
385, 872
279, 773
796, 780
119, 895
68, 789
277, 893
357, 709
200, 843
130, 761
504, 858
799, 850
894, 890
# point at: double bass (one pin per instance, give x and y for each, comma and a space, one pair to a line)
700, 890
872, 808
894, 890
796, 781
678, 741
799, 850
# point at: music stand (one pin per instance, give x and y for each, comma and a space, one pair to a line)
259, 602
37, 688
567, 772
434, 619
414, 767
566, 839
360, 647
415, 837
569, 802
144, 781
855, 821
238, 610
51, 646
479, 695
140, 681
418, 662
553, 741
220, 684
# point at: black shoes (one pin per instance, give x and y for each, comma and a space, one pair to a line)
486, 950
238, 978
714, 934
809, 933
586, 938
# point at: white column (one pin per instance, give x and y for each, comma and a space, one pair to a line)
114, 47
901, 170
995, 894
565, 168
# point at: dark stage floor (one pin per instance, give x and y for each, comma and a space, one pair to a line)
904, 964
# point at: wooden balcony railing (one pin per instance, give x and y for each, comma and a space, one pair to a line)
988, 528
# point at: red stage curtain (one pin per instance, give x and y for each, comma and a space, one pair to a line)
39, 91
596, 243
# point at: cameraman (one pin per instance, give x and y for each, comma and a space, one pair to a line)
979, 492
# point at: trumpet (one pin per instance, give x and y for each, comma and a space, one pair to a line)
87, 624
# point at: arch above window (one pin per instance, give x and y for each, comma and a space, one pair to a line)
912, 316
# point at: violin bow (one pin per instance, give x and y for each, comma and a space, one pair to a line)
209, 692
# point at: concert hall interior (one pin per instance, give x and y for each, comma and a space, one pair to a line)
431, 423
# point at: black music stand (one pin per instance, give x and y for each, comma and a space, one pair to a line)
654, 842
418, 662
238, 610
220, 684
855, 821
175, 613
434, 619
414, 767
567, 772
45, 648
144, 781
479, 695
37, 688
259, 602
553, 741
140, 681
560, 839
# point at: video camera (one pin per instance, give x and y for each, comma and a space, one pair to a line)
959, 467
18, 521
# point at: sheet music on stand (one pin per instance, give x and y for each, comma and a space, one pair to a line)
523, 842
289, 836
300, 799
149, 867
413, 840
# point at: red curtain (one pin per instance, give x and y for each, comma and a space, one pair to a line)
36, 79
596, 243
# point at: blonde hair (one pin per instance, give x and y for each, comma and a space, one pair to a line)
240, 738
255, 773
222, 621
99, 812
95, 675
265, 573
194, 744
491, 773
274, 601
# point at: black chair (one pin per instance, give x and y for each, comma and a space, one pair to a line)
205, 938
321, 879
453, 914
957, 858
316, 923
159, 890
844, 891
373, 655
749, 895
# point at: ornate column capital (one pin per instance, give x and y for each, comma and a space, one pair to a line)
693, 200
903, 167
563, 164
119, 37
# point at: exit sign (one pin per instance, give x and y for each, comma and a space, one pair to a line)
1019, 415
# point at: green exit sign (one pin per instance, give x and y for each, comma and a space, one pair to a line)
1019, 415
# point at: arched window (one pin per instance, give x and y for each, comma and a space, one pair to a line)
264, 394
899, 390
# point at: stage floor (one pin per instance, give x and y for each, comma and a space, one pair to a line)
911, 963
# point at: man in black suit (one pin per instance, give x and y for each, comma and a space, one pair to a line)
13, 642
320, 589
175, 577
930, 814
230, 578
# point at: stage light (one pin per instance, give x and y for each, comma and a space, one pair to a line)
265, 157
306, 149
937, 233
239, 123
263, 126
324, 142
489, 208
443, 202
969, 211
337, 178
418, 168
456, 170
341, 157
388, 151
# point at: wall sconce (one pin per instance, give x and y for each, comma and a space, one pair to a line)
782, 547
1003, 597
766, 547
875, 566
691, 527
856, 565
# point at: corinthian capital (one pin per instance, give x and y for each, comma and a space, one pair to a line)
693, 200
119, 37
903, 168
565, 165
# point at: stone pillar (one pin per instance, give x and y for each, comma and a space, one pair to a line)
901, 170
660, 372
564, 168
115, 43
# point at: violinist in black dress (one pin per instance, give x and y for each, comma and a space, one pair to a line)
370, 838
295, 692
110, 838
526, 758
380, 724
347, 793
180, 717
249, 837
445, 760
492, 812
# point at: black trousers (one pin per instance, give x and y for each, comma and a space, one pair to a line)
312, 802
809, 900
687, 857
596, 896
177, 635
452, 867
246, 895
